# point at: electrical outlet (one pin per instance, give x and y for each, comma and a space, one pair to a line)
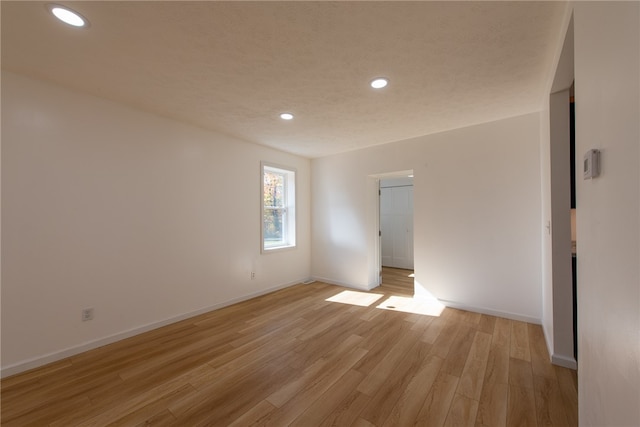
87, 314
253, 275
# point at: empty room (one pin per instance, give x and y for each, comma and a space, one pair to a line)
320, 213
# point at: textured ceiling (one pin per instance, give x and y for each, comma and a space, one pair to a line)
234, 66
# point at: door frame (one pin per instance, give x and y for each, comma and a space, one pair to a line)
375, 266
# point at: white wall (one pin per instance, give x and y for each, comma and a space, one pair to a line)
142, 218
477, 219
607, 73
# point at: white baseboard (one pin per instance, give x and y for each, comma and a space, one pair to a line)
557, 359
547, 339
564, 361
38, 361
492, 312
343, 284
452, 304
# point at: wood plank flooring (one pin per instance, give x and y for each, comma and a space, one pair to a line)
293, 358
397, 280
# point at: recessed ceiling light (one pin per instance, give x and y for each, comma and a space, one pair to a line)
68, 16
379, 83
286, 116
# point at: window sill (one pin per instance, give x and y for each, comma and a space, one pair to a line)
278, 249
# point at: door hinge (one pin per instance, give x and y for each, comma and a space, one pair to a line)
379, 233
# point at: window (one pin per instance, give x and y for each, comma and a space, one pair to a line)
278, 207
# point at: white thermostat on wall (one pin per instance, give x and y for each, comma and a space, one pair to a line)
591, 164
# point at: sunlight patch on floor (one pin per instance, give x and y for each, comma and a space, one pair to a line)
426, 307
363, 299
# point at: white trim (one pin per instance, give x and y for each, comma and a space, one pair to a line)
377, 252
378, 240
564, 361
492, 312
547, 340
291, 223
452, 304
343, 284
55, 356
556, 359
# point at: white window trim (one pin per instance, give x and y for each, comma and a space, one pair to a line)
289, 209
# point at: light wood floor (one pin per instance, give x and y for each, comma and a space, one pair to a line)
397, 280
293, 358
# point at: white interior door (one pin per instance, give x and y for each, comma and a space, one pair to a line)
396, 225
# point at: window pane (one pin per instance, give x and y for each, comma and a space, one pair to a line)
278, 208
273, 227
274, 191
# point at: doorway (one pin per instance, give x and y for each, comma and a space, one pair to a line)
396, 222
560, 322
396, 231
